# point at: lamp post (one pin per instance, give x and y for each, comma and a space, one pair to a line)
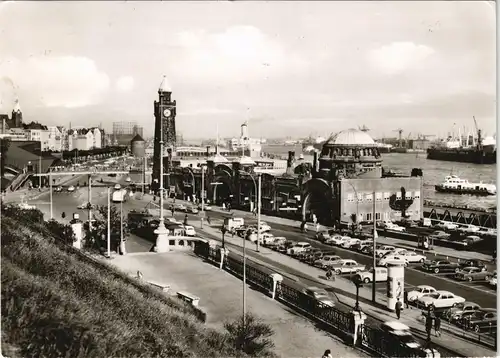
109, 222
223, 229
202, 194
375, 234
358, 283
356, 198
258, 211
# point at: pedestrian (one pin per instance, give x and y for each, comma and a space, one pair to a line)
186, 219
327, 354
437, 325
428, 326
405, 298
398, 307
208, 220
172, 210
233, 230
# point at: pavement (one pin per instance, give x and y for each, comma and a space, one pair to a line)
221, 297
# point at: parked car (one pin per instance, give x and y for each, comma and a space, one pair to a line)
326, 260
440, 299
473, 274
469, 228
383, 224
313, 255
284, 248
473, 263
481, 320
420, 291
394, 227
343, 240
180, 207
346, 266
190, 231
324, 235
347, 244
401, 333
264, 227
393, 260
264, 236
320, 295
206, 207
384, 250
440, 266
298, 247
276, 241
441, 235
71, 188
413, 257
447, 225
367, 276
456, 313
334, 240
470, 240
58, 189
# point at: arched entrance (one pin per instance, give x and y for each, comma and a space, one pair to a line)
221, 190
318, 200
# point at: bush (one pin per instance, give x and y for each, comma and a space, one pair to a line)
252, 336
57, 302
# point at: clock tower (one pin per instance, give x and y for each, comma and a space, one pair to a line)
165, 111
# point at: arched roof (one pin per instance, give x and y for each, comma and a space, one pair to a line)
137, 138
218, 159
352, 137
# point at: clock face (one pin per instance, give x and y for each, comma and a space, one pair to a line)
167, 113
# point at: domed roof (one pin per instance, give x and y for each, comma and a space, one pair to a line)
17, 107
137, 138
165, 86
352, 137
217, 158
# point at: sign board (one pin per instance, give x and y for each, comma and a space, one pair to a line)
395, 286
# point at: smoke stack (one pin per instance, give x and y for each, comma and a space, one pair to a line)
208, 151
244, 130
315, 162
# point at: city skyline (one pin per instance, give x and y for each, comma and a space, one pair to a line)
290, 68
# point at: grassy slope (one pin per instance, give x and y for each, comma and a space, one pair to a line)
55, 304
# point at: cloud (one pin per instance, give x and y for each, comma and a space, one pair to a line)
125, 84
204, 111
64, 81
399, 56
238, 54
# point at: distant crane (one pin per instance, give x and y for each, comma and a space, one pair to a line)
400, 132
479, 137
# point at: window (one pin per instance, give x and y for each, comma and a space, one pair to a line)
369, 197
377, 216
350, 197
386, 216
398, 195
417, 195
360, 196
368, 216
387, 196
360, 217
408, 195
378, 196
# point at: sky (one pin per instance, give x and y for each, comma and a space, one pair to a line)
288, 68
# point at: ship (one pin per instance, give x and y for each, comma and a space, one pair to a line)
477, 150
455, 185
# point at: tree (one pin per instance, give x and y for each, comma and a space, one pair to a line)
402, 204
97, 238
251, 336
62, 232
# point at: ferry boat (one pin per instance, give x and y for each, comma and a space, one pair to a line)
453, 184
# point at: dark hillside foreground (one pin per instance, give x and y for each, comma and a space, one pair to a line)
58, 303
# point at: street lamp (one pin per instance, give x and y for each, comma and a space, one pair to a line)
257, 191
358, 283
202, 194
223, 229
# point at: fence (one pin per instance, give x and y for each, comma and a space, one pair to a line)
339, 322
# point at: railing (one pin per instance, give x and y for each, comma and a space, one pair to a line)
384, 345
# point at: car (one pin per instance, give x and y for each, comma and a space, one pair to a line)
275, 241
440, 266
493, 280
320, 295
264, 227
473, 263
473, 274
117, 186
383, 224
58, 189
484, 319
322, 236
439, 299
206, 207
469, 228
400, 332
192, 210
334, 240
312, 255
347, 244
384, 249
393, 260
190, 231
180, 207
394, 227
263, 236
298, 247
128, 180
413, 257
71, 188
456, 313
326, 261
407, 223
83, 206
346, 266
367, 276
470, 240
441, 235
342, 240
447, 225
420, 291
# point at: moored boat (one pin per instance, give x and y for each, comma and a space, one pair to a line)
455, 185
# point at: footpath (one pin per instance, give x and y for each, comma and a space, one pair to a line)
345, 291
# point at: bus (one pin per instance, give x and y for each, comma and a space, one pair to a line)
119, 196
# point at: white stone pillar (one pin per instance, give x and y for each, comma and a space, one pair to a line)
162, 240
277, 278
395, 286
359, 319
77, 227
222, 253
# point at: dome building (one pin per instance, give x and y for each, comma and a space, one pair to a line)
348, 182
138, 146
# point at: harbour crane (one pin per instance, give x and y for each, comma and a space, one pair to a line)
400, 132
479, 137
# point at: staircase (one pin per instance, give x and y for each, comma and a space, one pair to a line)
19, 181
